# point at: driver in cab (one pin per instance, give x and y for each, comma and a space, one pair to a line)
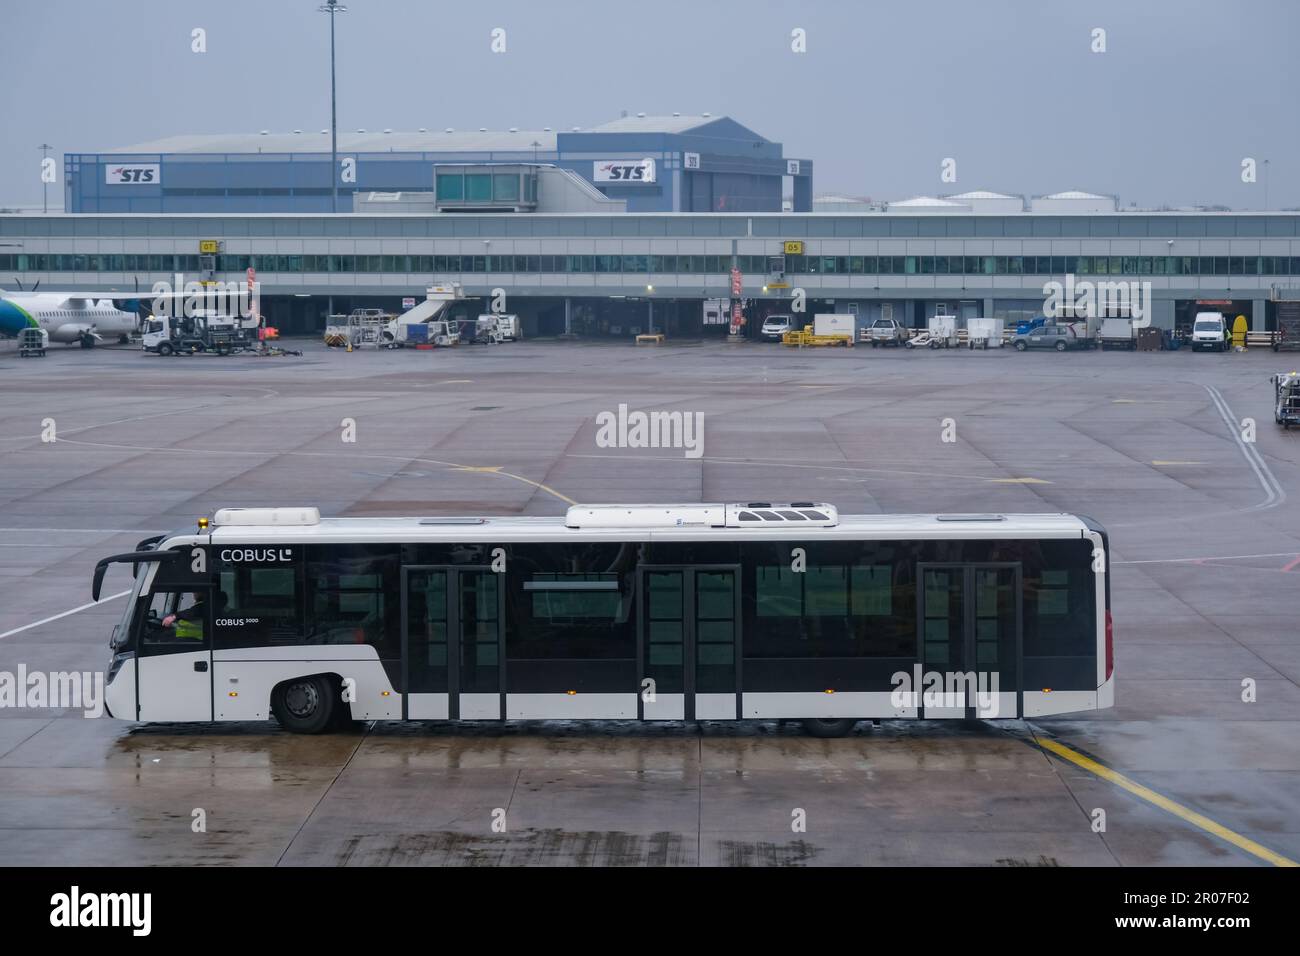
187, 622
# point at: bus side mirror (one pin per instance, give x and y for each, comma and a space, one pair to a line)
135, 558
97, 582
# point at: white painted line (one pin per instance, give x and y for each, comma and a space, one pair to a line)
1220, 557
28, 627
270, 455
266, 393
83, 530
780, 463
1273, 493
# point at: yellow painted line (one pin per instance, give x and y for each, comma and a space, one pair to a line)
537, 484
496, 470
488, 469
1019, 481
1164, 803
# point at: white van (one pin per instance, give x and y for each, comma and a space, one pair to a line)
775, 326
1210, 331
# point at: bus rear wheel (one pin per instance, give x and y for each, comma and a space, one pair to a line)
819, 727
304, 705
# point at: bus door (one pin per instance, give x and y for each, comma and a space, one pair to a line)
969, 623
452, 643
688, 643
174, 651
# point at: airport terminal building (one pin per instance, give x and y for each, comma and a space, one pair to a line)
621, 273
645, 163
644, 223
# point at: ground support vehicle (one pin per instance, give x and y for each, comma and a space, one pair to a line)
267, 612
32, 343
1287, 410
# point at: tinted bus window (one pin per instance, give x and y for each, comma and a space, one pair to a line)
354, 596
571, 601
569, 620
563, 598
862, 605
257, 604
1060, 615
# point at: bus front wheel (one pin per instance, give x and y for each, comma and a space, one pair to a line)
304, 705
829, 728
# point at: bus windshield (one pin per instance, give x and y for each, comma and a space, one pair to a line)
121, 638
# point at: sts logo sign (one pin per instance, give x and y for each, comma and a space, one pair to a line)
139, 174
624, 171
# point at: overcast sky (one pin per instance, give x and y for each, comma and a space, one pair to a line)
886, 91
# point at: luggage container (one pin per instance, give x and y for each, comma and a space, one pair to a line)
834, 324
32, 343
827, 329
1085, 329
943, 331
1150, 340
1117, 334
984, 333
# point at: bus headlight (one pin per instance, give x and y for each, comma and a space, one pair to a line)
118, 661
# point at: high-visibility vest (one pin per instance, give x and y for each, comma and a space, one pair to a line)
189, 630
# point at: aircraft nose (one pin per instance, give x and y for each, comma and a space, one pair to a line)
13, 319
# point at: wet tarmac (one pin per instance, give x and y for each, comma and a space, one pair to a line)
1205, 592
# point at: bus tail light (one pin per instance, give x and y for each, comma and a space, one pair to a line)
1110, 645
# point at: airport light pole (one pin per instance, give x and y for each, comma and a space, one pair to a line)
333, 7
45, 187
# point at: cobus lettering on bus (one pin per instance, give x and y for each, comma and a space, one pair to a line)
238, 555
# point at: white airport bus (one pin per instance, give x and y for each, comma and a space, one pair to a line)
615, 612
